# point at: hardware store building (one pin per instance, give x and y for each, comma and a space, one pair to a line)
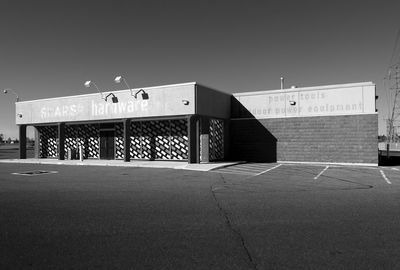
334, 124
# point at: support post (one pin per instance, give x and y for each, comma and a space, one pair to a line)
22, 141
227, 142
61, 141
205, 139
194, 142
127, 140
387, 150
80, 153
37, 143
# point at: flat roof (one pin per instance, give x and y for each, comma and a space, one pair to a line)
114, 92
297, 89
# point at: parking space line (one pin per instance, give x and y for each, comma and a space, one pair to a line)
254, 166
316, 177
384, 177
395, 169
234, 172
270, 169
246, 169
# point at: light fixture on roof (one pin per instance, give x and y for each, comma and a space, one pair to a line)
119, 79
144, 94
90, 83
5, 91
113, 98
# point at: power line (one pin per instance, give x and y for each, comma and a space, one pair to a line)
394, 48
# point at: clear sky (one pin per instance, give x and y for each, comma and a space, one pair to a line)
49, 48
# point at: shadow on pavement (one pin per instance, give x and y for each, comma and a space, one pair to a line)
389, 161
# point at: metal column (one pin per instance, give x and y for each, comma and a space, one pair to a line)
194, 139
205, 139
61, 141
22, 141
37, 143
127, 140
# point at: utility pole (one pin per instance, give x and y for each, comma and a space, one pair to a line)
391, 84
393, 81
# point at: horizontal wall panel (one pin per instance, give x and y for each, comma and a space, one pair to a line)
342, 99
158, 102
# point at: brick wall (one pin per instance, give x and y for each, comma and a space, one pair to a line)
341, 139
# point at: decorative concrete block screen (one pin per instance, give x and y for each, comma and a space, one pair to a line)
179, 139
155, 140
216, 139
136, 140
165, 140
119, 141
87, 135
48, 141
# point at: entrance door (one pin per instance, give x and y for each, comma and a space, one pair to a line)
106, 144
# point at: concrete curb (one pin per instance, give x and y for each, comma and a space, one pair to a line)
328, 163
119, 163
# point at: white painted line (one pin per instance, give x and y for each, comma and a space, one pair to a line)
395, 169
328, 163
255, 166
245, 169
233, 172
270, 169
384, 177
316, 177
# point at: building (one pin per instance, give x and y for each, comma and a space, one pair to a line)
328, 124
334, 124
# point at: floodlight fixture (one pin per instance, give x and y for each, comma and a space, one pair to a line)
119, 79
114, 99
144, 94
90, 83
5, 91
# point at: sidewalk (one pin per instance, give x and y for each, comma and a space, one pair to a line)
181, 165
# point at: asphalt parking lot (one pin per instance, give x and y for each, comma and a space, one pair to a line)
248, 216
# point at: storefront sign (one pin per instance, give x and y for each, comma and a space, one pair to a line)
162, 101
96, 109
346, 99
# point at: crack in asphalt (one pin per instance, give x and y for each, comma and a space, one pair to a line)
228, 222
226, 214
